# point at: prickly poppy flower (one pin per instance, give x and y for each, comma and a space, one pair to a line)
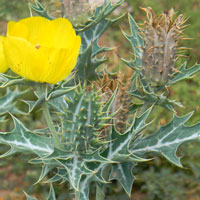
3, 63
41, 50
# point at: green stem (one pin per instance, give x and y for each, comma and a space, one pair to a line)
62, 9
100, 195
50, 125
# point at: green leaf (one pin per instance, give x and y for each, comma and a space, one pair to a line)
137, 44
52, 93
100, 13
140, 121
83, 192
40, 10
95, 157
167, 140
59, 104
59, 154
76, 169
2, 119
119, 145
155, 99
61, 175
90, 34
28, 197
87, 65
184, 73
118, 150
123, 173
23, 140
8, 101
52, 195
7, 80
45, 170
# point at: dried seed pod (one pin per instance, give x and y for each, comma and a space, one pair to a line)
161, 35
107, 86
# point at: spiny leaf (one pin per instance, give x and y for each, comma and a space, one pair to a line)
8, 101
156, 99
7, 80
90, 34
108, 105
184, 73
95, 157
50, 94
45, 170
40, 10
83, 192
61, 175
28, 197
23, 140
118, 149
76, 169
140, 121
59, 104
119, 145
137, 44
123, 173
2, 119
52, 195
59, 154
100, 13
87, 65
167, 140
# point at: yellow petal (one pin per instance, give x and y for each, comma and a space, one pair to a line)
23, 58
61, 61
3, 63
62, 33
42, 50
57, 33
69, 62
17, 29
37, 26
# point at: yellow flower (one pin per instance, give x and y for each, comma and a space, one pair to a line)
3, 63
41, 50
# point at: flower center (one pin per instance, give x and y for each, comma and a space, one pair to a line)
37, 46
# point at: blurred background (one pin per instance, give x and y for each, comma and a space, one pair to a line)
157, 179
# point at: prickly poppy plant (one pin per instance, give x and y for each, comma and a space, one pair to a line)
95, 131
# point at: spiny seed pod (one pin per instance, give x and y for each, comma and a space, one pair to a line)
84, 121
161, 34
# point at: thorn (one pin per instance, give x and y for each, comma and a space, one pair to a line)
181, 55
176, 70
151, 49
185, 26
187, 38
184, 48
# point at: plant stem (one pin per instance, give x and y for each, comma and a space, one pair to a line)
50, 125
100, 195
62, 9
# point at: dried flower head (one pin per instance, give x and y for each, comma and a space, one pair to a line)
161, 35
107, 86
